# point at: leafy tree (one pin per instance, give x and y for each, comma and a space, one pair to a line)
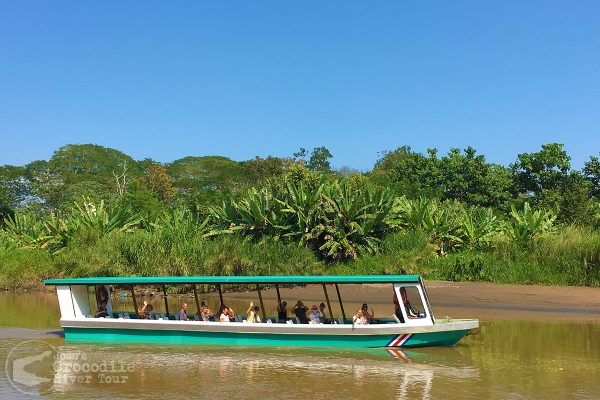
208, 173
542, 170
319, 160
468, 177
265, 168
81, 170
14, 188
410, 173
140, 199
570, 201
300, 155
591, 171
160, 183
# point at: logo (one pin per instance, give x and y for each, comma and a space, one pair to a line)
30, 367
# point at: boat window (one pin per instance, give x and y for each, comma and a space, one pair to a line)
413, 305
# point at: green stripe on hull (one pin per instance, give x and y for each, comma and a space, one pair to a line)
175, 337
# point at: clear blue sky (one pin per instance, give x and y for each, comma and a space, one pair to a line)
245, 78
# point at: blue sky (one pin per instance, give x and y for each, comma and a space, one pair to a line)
242, 78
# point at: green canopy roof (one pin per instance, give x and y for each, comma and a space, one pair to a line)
149, 280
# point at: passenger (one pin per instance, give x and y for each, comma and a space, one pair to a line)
397, 310
145, 311
359, 318
205, 314
300, 310
315, 316
369, 314
282, 312
231, 315
323, 314
182, 314
101, 313
252, 314
209, 313
411, 312
224, 314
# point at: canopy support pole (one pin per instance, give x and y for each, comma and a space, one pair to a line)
328, 303
196, 299
165, 298
278, 296
337, 289
220, 294
134, 301
262, 306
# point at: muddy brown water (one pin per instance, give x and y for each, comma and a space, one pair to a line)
520, 353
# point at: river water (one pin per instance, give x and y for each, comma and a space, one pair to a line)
508, 359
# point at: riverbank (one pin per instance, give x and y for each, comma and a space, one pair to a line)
484, 301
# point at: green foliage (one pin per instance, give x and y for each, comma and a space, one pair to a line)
525, 225
542, 170
409, 173
319, 160
81, 170
160, 183
266, 168
330, 217
591, 171
212, 172
466, 177
27, 230
91, 210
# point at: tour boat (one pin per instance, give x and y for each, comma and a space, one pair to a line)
408, 323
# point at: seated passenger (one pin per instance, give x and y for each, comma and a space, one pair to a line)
359, 318
252, 314
205, 314
315, 316
224, 314
300, 310
204, 306
182, 314
369, 315
323, 314
101, 313
231, 315
282, 312
145, 311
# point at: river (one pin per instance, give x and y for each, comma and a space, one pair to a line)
508, 359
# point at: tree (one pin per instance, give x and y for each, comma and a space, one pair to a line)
160, 183
265, 168
319, 160
591, 170
80, 170
300, 155
14, 188
208, 173
542, 170
469, 178
570, 200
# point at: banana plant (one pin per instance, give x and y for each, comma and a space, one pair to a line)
28, 231
526, 224
87, 214
478, 227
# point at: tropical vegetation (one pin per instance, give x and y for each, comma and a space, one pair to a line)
91, 210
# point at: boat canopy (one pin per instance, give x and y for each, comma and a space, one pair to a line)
282, 279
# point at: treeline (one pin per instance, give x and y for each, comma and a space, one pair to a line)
91, 210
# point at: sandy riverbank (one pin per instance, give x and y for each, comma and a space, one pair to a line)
485, 301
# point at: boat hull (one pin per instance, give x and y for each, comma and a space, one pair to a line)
172, 333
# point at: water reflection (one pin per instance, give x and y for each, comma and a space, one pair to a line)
262, 373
